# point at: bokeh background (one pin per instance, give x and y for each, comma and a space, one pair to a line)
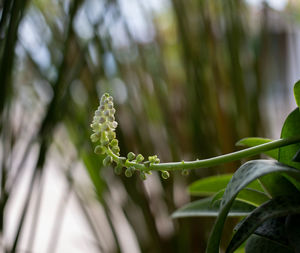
189, 78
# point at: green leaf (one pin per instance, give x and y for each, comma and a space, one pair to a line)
280, 206
259, 244
296, 157
292, 230
291, 127
273, 229
91, 163
269, 182
211, 185
255, 141
297, 92
240, 250
247, 173
277, 184
204, 207
247, 195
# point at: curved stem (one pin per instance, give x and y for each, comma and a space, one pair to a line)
215, 160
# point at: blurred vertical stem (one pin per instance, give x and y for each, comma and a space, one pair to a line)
12, 14
54, 111
47, 126
8, 50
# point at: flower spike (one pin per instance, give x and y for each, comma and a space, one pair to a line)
104, 127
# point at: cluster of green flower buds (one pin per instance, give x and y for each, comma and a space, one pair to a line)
104, 126
132, 158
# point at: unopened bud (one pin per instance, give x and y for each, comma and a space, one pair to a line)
110, 105
114, 124
99, 150
104, 139
129, 172
104, 127
114, 142
97, 113
143, 175
94, 137
112, 111
130, 156
153, 159
111, 135
107, 160
101, 120
106, 113
115, 149
165, 174
185, 172
118, 169
110, 118
139, 158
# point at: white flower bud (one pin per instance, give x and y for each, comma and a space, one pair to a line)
110, 105
106, 113
112, 111
104, 127
101, 120
114, 124
110, 118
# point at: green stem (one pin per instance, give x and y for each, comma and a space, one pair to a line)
215, 160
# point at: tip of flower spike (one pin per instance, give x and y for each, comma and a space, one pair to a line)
104, 126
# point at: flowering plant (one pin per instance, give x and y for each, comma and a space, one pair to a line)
267, 192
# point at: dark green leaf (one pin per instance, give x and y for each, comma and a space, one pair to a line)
247, 173
273, 229
205, 208
259, 244
296, 157
254, 141
292, 230
280, 206
269, 182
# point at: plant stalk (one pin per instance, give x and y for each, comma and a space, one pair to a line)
210, 161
